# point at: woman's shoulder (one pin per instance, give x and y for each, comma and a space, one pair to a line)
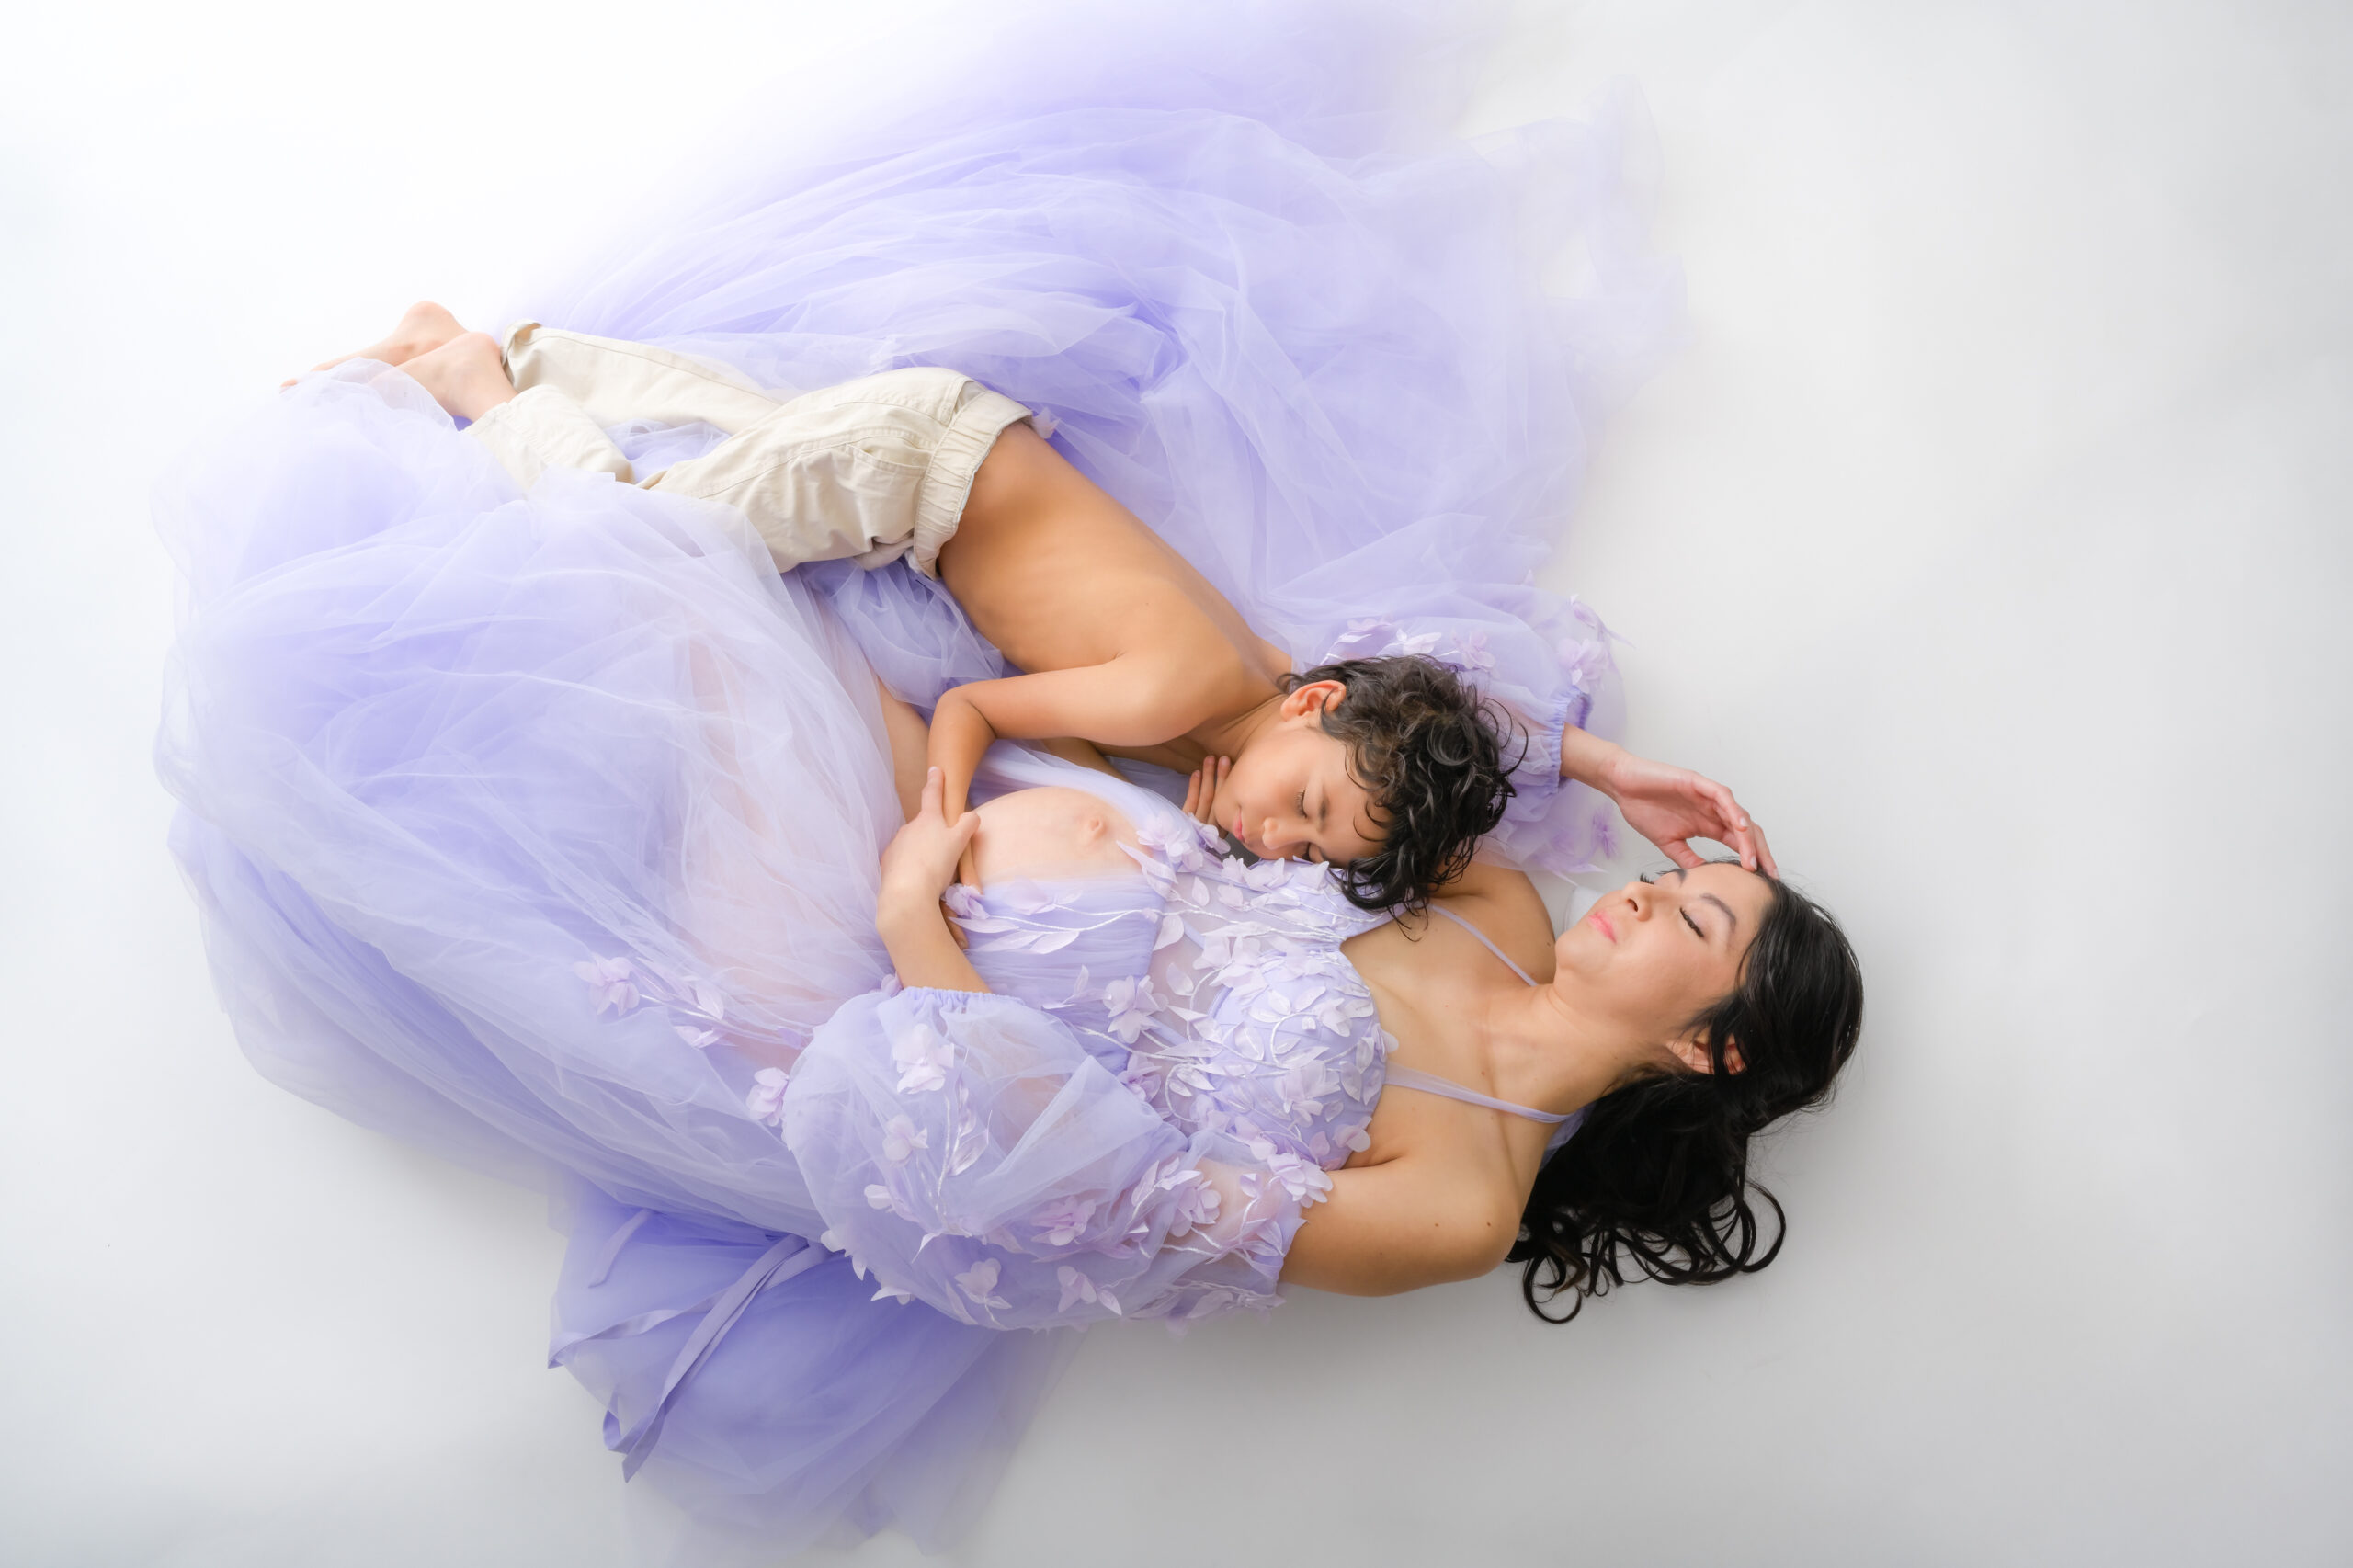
1503, 905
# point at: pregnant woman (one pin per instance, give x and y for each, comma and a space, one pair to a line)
546, 828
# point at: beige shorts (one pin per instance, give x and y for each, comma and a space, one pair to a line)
872, 470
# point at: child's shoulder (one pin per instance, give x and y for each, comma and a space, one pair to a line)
1206, 675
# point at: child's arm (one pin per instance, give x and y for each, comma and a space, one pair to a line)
1122, 703
1070, 748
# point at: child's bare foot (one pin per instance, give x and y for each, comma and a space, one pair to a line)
464, 375
425, 328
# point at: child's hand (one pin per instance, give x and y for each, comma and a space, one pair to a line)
1668, 805
1200, 790
923, 855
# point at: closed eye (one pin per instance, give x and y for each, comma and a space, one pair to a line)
1694, 925
1314, 855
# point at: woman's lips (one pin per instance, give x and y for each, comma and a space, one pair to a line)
1601, 921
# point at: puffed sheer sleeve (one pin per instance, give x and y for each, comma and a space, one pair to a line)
970, 1153
1544, 662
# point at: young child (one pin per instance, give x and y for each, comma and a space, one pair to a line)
1386, 767
1390, 770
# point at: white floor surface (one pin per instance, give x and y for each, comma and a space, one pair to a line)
1985, 534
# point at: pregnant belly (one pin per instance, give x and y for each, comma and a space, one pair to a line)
1056, 914
1048, 835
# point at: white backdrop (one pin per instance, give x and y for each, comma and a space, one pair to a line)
1988, 534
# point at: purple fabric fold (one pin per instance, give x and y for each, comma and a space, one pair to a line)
543, 829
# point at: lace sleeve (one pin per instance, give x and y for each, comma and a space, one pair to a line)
1545, 661
968, 1151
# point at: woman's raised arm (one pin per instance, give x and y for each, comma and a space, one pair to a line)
1666, 805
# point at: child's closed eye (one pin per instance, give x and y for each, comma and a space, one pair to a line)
1313, 856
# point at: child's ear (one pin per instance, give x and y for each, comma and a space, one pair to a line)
1315, 697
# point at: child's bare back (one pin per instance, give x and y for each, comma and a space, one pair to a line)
1128, 647
1390, 763
1059, 576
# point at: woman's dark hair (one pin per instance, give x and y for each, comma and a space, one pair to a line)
1424, 742
1657, 1177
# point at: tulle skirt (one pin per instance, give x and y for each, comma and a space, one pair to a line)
470, 777
1232, 249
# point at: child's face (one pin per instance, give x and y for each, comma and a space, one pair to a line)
1290, 795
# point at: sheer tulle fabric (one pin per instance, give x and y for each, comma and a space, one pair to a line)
821, 1414
975, 1156
1271, 306
541, 830
470, 742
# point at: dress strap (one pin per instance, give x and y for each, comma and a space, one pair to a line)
1483, 942
1430, 1083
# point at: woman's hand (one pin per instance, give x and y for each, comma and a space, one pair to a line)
925, 948
921, 857
1668, 805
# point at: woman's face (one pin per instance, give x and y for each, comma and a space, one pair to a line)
1654, 955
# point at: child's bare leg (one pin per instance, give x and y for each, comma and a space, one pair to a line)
464, 375
910, 739
425, 328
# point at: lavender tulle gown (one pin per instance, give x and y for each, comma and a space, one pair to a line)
543, 829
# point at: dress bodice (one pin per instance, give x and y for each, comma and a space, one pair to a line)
1132, 1122
1214, 988
1134, 1118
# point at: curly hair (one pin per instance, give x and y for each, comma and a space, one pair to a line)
1424, 742
1656, 1178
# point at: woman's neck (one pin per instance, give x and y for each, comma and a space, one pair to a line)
1544, 1052
1480, 1025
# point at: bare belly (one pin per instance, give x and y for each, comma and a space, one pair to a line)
1048, 835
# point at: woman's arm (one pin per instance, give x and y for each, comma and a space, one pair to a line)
910, 740
970, 1154
1587, 759
1666, 805
1396, 1226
